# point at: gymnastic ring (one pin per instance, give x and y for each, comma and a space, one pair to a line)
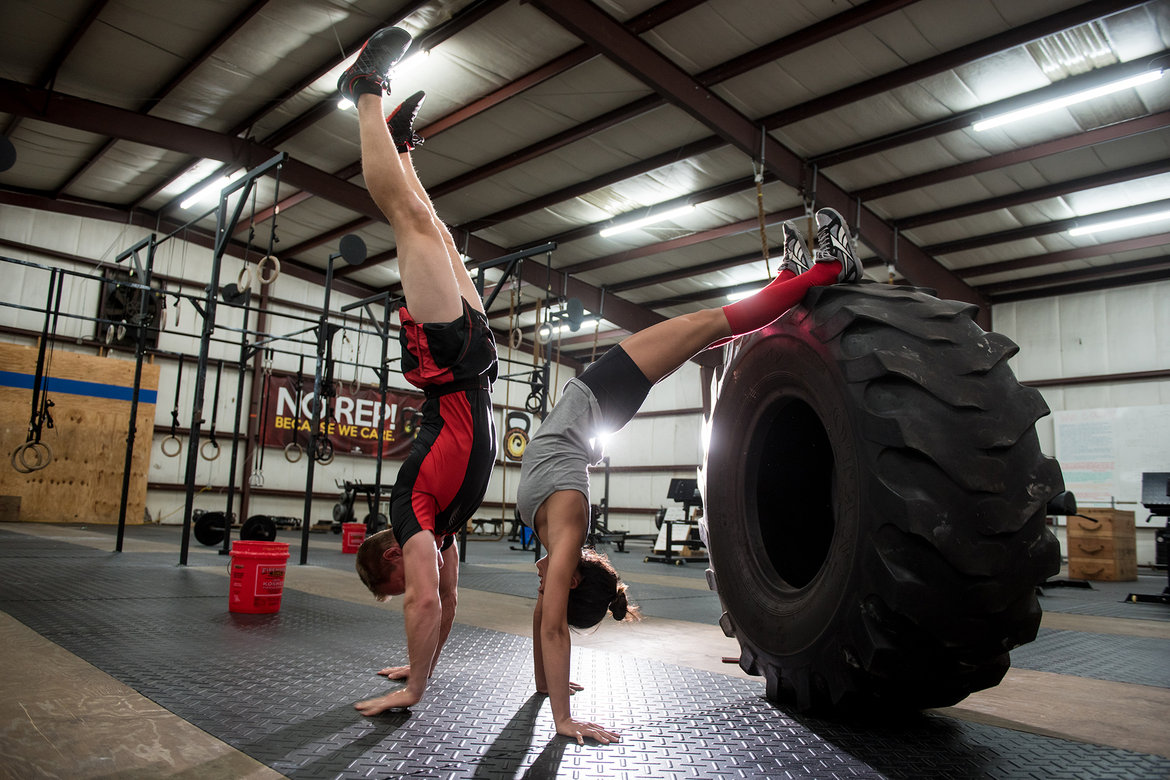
516, 338
44, 456
109, 334
257, 479
244, 280
178, 446
275, 264
16, 464
203, 449
121, 331
293, 447
532, 403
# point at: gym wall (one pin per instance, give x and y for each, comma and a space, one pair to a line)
1067, 340
1119, 331
1071, 337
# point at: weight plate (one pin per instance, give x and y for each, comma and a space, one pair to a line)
209, 528
380, 523
258, 528
515, 442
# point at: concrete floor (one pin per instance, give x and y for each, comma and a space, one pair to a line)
62, 717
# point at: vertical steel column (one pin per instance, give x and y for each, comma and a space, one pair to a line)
223, 228
139, 349
232, 464
323, 333
383, 378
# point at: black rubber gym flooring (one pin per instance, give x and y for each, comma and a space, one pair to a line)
281, 687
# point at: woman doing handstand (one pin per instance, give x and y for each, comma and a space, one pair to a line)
578, 586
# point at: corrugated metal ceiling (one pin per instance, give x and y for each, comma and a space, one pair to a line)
544, 123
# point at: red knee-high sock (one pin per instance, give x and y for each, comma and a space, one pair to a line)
782, 294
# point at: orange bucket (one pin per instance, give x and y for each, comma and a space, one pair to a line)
352, 536
257, 576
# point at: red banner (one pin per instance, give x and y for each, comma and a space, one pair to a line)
353, 421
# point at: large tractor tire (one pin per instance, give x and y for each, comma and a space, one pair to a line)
875, 502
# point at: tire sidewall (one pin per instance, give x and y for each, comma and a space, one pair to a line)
769, 614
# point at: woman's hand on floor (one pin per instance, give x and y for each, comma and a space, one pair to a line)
580, 729
395, 700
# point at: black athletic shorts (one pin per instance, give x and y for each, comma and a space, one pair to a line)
619, 386
444, 477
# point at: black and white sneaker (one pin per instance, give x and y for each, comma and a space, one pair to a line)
401, 123
835, 244
796, 257
370, 72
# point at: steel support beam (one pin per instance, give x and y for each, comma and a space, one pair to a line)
1047, 228
642, 61
955, 58
150, 103
1083, 280
1024, 154
1068, 255
1031, 196
966, 118
91, 116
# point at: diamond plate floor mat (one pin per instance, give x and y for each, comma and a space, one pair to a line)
1128, 659
280, 688
1108, 599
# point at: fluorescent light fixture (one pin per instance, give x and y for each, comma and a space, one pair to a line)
584, 323
1068, 100
739, 296
546, 331
211, 191
408, 67
650, 220
193, 175
1119, 223
344, 104
1069, 61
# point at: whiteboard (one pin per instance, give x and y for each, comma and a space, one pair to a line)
1103, 452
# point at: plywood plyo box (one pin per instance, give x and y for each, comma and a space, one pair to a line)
1104, 547
91, 412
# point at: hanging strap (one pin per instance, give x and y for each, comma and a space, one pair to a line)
293, 451
171, 446
40, 380
210, 448
355, 386
178, 388
266, 390
597, 324
34, 454
759, 172
268, 268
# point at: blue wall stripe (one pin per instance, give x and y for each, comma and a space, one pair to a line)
77, 387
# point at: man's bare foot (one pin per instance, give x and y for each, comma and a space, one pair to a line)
395, 672
395, 700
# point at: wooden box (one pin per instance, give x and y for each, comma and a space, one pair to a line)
1105, 549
